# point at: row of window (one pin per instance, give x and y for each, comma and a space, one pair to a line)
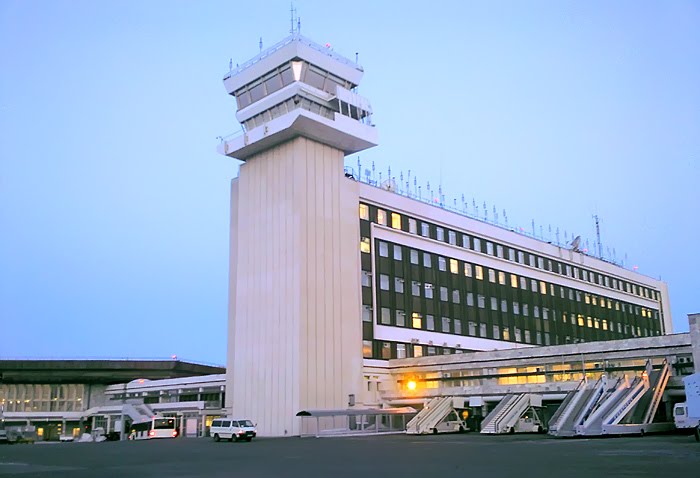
432, 231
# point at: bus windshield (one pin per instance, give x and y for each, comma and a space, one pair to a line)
161, 423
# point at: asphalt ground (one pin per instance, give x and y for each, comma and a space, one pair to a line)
382, 456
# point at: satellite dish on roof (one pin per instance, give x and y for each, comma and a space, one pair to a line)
389, 185
576, 243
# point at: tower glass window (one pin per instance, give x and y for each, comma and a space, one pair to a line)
396, 220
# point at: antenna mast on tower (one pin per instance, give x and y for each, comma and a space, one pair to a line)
597, 235
293, 16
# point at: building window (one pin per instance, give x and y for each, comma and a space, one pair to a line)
496, 332
440, 234
532, 260
385, 317
470, 299
540, 263
400, 351
454, 266
386, 350
442, 263
415, 288
425, 229
492, 276
504, 305
416, 320
518, 338
381, 217
366, 313
426, 260
430, 322
521, 257
516, 308
412, 226
526, 310
414, 256
398, 285
545, 313
383, 281
472, 328
465, 241
366, 281
455, 296
501, 278
383, 249
417, 350
367, 348
481, 301
452, 237
479, 272
428, 291
536, 312
446, 325
499, 251
397, 253
523, 283
400, 318
489, 248
477, 244
514, 281
506, 333
527, 337
543, 288
364, 245
467, 269
443, 294
396, 220
533, 284
458, 326
364, 212
494, 303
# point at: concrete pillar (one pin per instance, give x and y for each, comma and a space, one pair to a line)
694, 325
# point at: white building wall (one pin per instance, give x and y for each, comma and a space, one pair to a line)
295, 321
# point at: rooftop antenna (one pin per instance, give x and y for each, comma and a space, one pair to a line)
260, 44
292, 11
597, 234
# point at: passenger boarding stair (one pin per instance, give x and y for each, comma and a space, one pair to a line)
433, 416
619, 407
510, 412
138, 412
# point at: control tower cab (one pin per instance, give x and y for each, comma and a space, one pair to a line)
298, 88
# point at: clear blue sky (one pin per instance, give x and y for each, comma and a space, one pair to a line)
114, 205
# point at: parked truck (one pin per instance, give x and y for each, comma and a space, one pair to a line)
687, 414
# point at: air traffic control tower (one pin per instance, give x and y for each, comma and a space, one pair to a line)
295, 339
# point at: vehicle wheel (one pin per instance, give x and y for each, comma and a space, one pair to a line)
230, 439
511, 430
248, 439
540, 429
434, 431
641, 432
235, 438
216, 437
461, 429
697, 434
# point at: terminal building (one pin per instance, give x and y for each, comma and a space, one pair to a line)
333, 276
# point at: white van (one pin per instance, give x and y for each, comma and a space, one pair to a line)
232, 429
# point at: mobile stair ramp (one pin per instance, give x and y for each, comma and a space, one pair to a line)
507, 415
635, 415
576, 407
138, 412
437, 413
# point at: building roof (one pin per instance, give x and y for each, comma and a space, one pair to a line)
99, 371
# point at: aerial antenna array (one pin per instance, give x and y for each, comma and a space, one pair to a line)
294, 20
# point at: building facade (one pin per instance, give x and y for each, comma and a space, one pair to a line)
331, 277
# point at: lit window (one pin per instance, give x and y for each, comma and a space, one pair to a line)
426, 260
395, 220
587, 298
501, 278
454, 266
543, 288
506, 333
364, 245
492, 276
479, 272
381, 217
416, 320
417, 350
452, 237
467, 269
514, 281
383, 281
383, 249
605, 324
397, 253
364, 212
442, 263
412, 226
594, 300
398, 285
440, 233
589, 322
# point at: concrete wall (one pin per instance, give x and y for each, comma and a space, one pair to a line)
295, 320
694, 326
